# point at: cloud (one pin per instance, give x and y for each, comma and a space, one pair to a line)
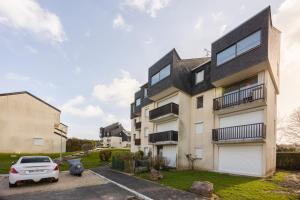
199, 24
120, 92
29, 16
284, 20
72, 107
77, 70
217, 16
223, 29
31, 50
119, 23
149, 40
151, 7
17, 77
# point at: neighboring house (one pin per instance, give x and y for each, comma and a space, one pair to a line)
221, 110
30, 125
114, 135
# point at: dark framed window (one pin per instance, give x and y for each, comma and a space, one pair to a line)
200, 102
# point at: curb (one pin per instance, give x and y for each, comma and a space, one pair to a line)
123, 186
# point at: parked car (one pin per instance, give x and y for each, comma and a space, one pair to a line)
33, 168
76, 167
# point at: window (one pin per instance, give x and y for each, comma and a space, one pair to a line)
248, 43
199, 77
199, 128
200, 102
198, 153
163, 73
145, 92
146, 151
147, 112
240, 47
226, 55
146, 132
38, 141
138, 102
41, 159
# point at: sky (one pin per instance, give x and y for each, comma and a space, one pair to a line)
88, 57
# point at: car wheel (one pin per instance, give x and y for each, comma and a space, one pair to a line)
12, 185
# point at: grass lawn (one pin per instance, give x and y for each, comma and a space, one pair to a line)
90, 161
229, 186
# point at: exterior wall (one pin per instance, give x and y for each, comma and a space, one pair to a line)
136, 133
23, 118
204, 140
146, 124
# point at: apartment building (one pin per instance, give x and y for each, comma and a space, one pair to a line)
30, 125
114, 135
220, 109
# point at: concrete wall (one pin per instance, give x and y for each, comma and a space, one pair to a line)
23, 118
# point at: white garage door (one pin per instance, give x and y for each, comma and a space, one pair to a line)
242, 119
245, 160
169, 152
173, 99
167, 126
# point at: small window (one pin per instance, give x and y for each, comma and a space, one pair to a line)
198, 153
38, 141
146, 151
146, 132
200, 102
199, 77
138, 102
226, 55
147, 112
248, 43
145, 92
199, 128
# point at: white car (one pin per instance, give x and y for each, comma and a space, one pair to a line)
33, 168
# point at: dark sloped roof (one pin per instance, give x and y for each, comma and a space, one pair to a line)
28, 93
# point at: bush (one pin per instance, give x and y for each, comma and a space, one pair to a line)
289, 161
105, 155
122, 160
138, 155
159, 163
86, 148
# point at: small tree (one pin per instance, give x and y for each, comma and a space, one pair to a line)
293, 126
86, 148
191, 160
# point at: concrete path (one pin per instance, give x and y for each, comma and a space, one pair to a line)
149, 189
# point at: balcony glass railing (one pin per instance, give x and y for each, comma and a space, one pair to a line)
170, 108
163, 136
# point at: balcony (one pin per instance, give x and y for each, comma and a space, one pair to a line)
166, 137
137, 142
244, 96
243, 133
165, 112
138, 125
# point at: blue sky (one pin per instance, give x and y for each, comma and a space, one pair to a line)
88, 57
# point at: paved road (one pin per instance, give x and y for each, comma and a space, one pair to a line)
147, 188
87, 187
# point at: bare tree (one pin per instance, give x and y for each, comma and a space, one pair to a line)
293, 127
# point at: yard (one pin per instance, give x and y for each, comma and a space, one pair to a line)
230, 186
90, 161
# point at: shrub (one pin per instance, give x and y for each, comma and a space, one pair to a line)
159, 162
123, 160
289, 161
105, 155
138, 155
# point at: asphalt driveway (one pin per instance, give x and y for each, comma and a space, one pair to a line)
87, 187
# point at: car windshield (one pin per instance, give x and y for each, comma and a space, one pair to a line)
35, 160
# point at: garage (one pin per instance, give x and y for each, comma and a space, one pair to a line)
246, 159
169, 152
167, 126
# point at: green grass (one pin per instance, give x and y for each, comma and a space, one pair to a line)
229, 186
90, 161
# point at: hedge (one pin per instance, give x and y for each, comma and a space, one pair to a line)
288, 160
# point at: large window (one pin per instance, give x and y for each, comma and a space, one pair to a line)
240, 47
199, 77
248, 43
198, 153
163, 73
138, 102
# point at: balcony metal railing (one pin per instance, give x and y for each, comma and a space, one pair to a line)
249, 131
137, 142
240, 97
163, 136
164, 110
138, 125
